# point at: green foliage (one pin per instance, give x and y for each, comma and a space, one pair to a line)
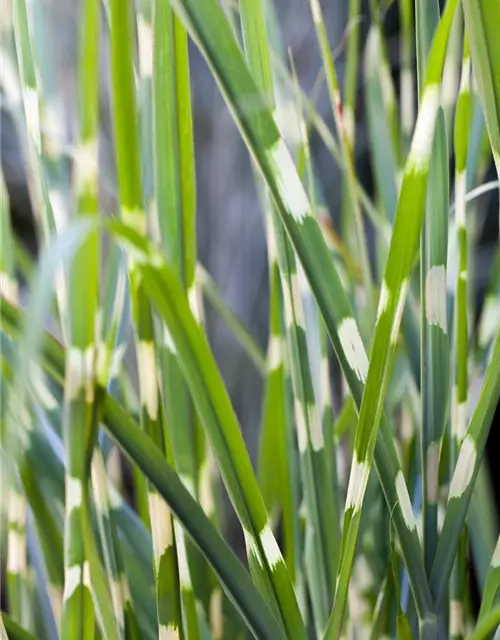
84, 559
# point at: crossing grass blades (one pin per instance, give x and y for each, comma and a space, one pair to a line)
361, 520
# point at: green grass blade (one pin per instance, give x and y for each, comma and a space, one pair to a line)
480, 18
387, 86
321, 552
433, 262
35, 475
98, 580
346, 150
113, 561
384, 161
12, 630
275, 465
112, 323
174, 213
387, 172
19, 435
144, 71
16, 565
351, 72
48, 530
451, 72
131, 204
462, 126
349, 105
331, 145
80, 430
435, 369
277, 440
466, 470
482, 537
321, 547
320, 368
491, 585
487, 625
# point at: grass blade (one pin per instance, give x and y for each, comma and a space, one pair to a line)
466, 470
458, 424
174, 217
80, 429
480, 18
277, 436
321, 547
17, 556
39, 194
15, 632
487, 626
407, 81
384, 161
230, 572
346, 150
433, 261
131, 203
349, 106
491, 585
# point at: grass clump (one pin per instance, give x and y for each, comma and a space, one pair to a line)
364, 553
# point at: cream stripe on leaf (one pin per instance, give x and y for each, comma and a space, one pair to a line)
296, 202
464, 470
405, 502
353, 348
